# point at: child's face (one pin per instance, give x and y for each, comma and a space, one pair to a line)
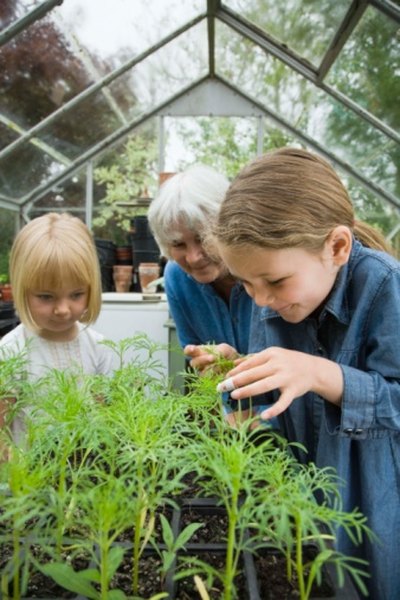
293, 281
187, 250
56, 311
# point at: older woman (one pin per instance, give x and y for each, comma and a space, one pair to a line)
207, 304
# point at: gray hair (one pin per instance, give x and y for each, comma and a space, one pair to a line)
189, 199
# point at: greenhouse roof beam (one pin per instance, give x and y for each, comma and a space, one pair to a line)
266, 42
43, 146
271, 46
96, 87
347, 26
388, 8
212, 6
34, 15
8, 204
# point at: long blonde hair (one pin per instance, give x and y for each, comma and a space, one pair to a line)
48, 251
289, 198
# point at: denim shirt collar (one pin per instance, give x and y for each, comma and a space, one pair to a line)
337, 301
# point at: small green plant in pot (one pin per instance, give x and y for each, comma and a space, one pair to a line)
24, 503
289, 518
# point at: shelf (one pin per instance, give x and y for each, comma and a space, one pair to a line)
138, 203
132, 297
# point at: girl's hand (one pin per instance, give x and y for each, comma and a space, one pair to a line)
205, 357
293, 373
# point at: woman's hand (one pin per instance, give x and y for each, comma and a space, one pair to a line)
293, 373
205, 357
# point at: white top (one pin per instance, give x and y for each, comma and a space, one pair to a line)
85, 353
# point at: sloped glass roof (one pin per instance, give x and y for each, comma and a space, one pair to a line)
78, 78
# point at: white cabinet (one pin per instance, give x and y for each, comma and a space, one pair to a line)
125, 315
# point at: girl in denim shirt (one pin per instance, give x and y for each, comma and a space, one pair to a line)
326, 335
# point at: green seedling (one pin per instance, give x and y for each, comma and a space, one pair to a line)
105, 456
289, 517
228, 470
24, 512
135, 347
221, 364
174, 545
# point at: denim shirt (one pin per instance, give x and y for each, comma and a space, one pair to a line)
358, 328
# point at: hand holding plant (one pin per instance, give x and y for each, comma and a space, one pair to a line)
218, 357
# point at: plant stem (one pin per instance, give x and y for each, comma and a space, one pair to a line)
136, 554
229, 567
299, 558
103, 571
16, 575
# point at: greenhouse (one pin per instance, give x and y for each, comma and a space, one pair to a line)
83, 84
199, 206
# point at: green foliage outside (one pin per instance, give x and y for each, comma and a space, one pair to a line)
125, 175
7, 220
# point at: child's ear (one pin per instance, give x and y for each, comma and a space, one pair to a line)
340, 244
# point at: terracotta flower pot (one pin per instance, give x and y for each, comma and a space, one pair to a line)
164, 175
148, 272
6, 293
122, 275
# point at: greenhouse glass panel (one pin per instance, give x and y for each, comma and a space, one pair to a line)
7, 135
90, 121
97, 116
368, 67
231, 142
260, 75
12, 12
165, 72
111, 32
309, 110
39, 72
25, 169
305, 26
70, 195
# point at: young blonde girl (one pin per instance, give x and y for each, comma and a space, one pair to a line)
326, 335
54, 271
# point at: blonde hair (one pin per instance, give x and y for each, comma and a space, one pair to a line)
289, 198
49, 251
